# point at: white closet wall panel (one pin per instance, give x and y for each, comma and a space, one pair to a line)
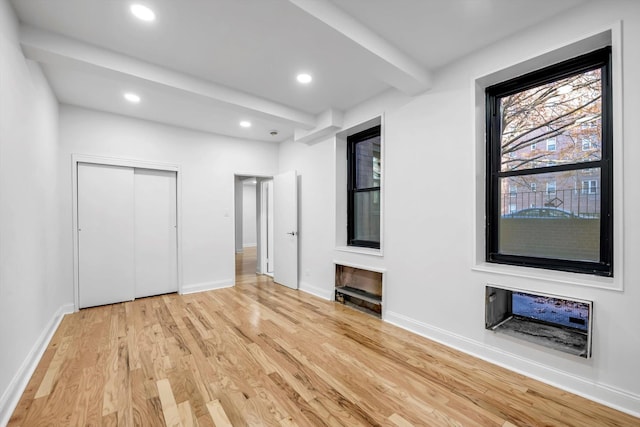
155, 233
105, 234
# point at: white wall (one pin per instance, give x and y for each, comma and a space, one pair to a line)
249, 237
429, 222
208, 164
32, 291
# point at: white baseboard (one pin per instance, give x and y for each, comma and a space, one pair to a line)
11, 396
249, 245
206, 286
327, 294
598, 392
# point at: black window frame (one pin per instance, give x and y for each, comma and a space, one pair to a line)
598, 59
352, 141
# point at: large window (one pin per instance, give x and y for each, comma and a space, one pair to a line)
363, 188
566, 227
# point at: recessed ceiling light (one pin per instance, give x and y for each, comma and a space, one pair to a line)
304, 78
142, 12
245, 124
132, 97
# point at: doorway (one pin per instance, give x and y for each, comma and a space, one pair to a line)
271, 205
246, 227
253, 226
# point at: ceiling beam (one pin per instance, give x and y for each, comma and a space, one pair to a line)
328, 123
50, 48
398, 69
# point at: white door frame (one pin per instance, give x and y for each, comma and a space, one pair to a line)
264, 235
132, 163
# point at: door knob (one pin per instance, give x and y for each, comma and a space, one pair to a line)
293, 233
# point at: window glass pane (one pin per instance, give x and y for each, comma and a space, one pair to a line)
367, 154
548, 124
561, 222
366, 216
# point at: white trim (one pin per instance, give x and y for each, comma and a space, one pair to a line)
263, 223
249, 245
206, 286
547, 275
618, 155
601, 393
609, 35
326, 294
125, 162
13, 392
132, 163
360, 250
360, 266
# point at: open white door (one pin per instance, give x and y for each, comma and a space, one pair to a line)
285, 229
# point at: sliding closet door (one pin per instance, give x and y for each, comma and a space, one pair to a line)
156, 252
105, 234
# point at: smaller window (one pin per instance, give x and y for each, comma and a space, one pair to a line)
551, 144
534, 146
534, 186
513, 190
590, 186
551, 188
586, 144
364, 166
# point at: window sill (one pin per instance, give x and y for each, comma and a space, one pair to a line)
360, 250
613, 284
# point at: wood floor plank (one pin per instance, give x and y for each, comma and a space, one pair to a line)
186, 415
260, 354
52, 371
169, 406
217, 413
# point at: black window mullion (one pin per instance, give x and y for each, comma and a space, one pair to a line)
364, 190
493, 129
606, 172
351, 184
551, 169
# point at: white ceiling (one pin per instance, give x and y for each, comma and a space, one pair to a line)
207, 64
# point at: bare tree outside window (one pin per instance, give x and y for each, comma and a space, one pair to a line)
554, 111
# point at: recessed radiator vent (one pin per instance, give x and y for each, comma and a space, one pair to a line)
359, 288
549, 320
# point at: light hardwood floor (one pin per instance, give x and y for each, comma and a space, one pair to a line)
262, 354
